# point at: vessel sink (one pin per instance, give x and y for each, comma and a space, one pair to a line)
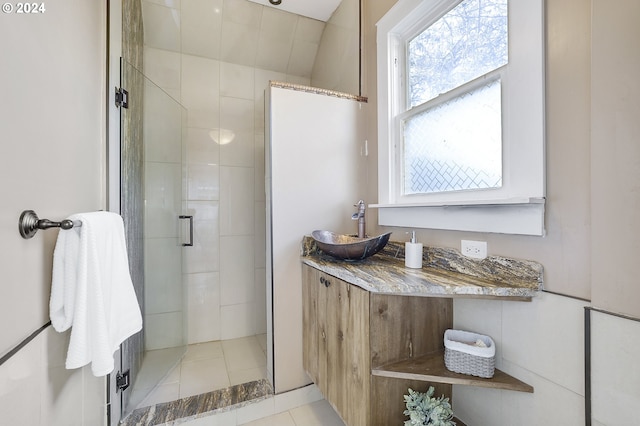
349, 247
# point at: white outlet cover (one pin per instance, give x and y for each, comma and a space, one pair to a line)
473, 249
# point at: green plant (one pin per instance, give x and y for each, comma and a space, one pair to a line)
423, 409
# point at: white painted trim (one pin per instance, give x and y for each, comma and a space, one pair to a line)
497, 202
518, 219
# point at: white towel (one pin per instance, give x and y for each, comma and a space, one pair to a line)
92, 291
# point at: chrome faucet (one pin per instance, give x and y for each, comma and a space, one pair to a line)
359, 216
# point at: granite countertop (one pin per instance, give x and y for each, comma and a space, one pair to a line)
445, 273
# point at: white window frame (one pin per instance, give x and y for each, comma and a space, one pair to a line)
517, 207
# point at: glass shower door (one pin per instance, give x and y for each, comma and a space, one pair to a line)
153, 188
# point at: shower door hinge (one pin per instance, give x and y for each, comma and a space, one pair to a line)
122, 98
122, 381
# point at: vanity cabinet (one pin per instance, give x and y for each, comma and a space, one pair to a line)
348, 332
365, 349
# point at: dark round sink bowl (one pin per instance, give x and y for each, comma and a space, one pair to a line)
348, 247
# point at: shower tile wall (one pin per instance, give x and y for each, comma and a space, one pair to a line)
216, 57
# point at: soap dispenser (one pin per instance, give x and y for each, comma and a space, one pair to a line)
413, 253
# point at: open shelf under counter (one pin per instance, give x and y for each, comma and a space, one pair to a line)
431, 368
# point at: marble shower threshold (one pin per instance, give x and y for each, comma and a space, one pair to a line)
192, 407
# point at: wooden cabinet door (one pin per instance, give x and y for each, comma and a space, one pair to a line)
348, 344
336, 350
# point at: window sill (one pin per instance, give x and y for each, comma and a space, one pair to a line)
497, 202
521, 216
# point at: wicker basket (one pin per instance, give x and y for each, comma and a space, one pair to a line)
461, 356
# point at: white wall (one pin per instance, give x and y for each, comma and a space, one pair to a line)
615, 165
52, 125
337, 64
615, 200
539, 342
315, 175
615, 352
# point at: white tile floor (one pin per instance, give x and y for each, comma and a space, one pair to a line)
318, 413
300, 407
206, 367
216, 365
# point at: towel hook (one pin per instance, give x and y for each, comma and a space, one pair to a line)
29, 223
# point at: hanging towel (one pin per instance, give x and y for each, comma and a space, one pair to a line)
92, 291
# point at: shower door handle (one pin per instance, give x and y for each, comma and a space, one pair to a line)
190, 217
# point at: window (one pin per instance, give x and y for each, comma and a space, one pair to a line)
461, 115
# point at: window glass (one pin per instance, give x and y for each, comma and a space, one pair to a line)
467, 42
455, 145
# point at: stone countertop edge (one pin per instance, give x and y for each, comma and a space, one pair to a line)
445, 272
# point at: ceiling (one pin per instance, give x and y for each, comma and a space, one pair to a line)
316, 9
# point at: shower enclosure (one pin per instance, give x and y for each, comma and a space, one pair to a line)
152, 205
220, 172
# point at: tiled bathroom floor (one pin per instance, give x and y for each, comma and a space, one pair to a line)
207, 367
301, 407
213, 365
318, 413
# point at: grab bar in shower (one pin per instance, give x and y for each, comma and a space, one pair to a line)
29, 224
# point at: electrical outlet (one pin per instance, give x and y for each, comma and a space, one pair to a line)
474, 249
